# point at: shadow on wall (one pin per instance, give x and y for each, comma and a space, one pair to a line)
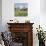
0, 23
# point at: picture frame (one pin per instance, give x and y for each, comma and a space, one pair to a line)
21, 9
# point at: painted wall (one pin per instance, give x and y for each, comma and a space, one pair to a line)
0, 15
43, 14
8, 11
34, 15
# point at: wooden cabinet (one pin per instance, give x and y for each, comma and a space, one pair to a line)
22, 33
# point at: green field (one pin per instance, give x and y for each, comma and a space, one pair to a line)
21, 12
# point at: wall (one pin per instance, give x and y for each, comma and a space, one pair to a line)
34, 14
8, 11
43, 6
0, 15
43, 14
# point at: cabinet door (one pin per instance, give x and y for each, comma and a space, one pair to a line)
24, 38
20, 37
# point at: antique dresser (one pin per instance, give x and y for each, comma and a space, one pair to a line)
22, 33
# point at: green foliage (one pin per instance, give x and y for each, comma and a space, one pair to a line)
21, 12
40, 33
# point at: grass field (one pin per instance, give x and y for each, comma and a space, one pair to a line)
21, 12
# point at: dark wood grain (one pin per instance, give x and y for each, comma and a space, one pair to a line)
22, 27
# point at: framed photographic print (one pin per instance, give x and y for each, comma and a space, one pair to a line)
21, 9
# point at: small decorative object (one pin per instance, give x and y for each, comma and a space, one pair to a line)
27, 20
10, 21
16, 21
41, 36
13, 21
21, 9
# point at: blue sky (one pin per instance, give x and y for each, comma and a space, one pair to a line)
21, 5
